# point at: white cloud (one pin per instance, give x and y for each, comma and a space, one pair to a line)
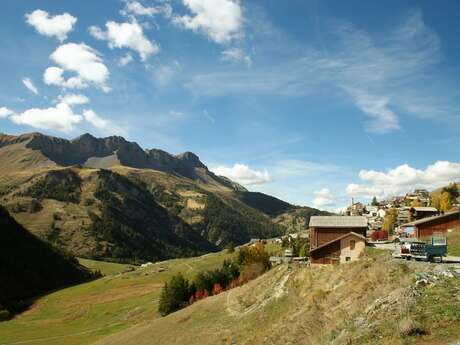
404, 178
95, 119
101, 123
60, 118
176, 114
243, 174
294, 167
73, 99
81, 59
137, 9
220, 20
164, 74
58, 26
354, 189
236, 55
28, 83
384, 120
5, 112
323, 198
126, 35
53, 76
126, 59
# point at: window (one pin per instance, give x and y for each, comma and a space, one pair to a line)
352, 244
347, 258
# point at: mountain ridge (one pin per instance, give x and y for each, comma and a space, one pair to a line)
95, 197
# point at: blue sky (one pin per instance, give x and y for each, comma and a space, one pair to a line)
311, 101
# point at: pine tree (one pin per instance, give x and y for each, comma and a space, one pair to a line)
374, 201
175, 295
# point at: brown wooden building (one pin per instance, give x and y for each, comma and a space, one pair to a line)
422, 212
424, 228
333, 238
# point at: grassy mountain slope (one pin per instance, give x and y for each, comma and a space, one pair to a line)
148, 205
83, 314
29, 266
100, 214
373, 301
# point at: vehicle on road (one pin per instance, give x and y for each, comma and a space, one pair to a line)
413, 248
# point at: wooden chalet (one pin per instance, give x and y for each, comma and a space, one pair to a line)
424, 228
336, 239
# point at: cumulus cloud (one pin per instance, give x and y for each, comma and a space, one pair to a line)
323, 198
47, 25
5, 112
243, 174
220, 20
81, 59
236, 55
404, 178
53, 76
101, 123
124, 60
137, 9
60, 118
28, 83
95, 119
126, 35
73, 99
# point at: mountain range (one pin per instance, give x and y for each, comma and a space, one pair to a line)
107, 198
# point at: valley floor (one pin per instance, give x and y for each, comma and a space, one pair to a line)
84, 313
377, 300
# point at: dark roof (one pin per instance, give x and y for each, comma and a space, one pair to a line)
338, 239
429, 219
338, 222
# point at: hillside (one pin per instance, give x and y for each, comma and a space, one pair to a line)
377, 300
85, 313
30, 267
109, 199
374, 301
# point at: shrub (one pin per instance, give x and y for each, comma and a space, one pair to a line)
35, 206
374, 236
4, 314
253, 254
252, 271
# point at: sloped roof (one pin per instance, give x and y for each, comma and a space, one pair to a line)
425, 209
429, 219
338, 239
338, 222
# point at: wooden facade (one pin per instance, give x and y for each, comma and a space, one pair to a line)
326, 255
426, 227
345, 248
319, 236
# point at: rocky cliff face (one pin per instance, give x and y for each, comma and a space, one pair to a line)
106, 152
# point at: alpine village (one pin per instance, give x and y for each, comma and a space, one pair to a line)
321, 204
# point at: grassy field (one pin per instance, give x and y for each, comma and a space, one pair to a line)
372, 302
106, 268
453, 242
85, 313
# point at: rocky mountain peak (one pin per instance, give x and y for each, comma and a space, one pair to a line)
191, 159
